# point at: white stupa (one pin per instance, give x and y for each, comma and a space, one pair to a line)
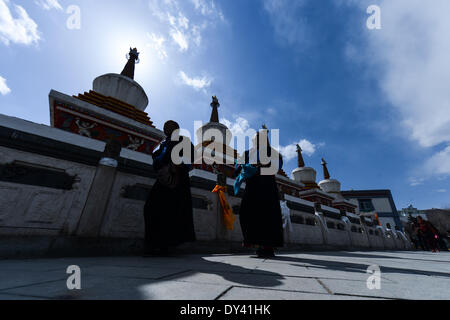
333, 188
122, 86
329, 185
303, 174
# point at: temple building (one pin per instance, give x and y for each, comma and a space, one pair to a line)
378, 204
79, 186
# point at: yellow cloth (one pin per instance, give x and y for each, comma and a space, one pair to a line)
228, 214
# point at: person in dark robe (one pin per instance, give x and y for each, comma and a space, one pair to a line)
420, 238
260, 211
168, 211
429, 233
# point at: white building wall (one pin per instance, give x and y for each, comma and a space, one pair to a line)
382, 205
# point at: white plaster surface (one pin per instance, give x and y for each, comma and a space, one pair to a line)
121, 88
330, 186
304, 175
382, 205
67, 137
124, 218
32, 210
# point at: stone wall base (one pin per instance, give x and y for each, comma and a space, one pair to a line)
62, 247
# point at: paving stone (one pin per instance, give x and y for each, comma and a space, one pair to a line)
322, 275
258, 294
6, 297
314, 271
92, 288
98, 288
14, 279
411, 287
148, 272
176, 290
273, 281
43, 265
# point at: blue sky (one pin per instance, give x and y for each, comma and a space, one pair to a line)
374, 103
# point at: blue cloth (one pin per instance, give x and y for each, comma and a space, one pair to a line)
158, 159
246, 173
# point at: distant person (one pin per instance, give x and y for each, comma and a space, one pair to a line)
260, 211
168, 211
420, 237
411, 232
430, 234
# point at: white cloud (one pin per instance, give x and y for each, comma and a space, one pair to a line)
290, 152
439, 164
413, 47
179, 29
180, 39
186, 21
4, 90
197, 83
20, 29
409, 56
289, 22
208, 8
414, 182
157, 43
442, 190
239, 127
48, 4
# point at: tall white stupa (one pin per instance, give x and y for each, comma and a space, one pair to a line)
333, 187
303, 174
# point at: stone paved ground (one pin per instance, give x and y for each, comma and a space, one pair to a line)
331, 275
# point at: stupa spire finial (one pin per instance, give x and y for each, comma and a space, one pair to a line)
301, 161
133, 58
326, 173
215, 110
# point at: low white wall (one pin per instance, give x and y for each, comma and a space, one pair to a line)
206, 221
358, 239
305, 233
389, 241
339, 235
34, 210
124, 218
376, 242
28, 210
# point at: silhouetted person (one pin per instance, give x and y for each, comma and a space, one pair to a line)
420, 237
168, 211
430, 234
411, 232
260, 211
